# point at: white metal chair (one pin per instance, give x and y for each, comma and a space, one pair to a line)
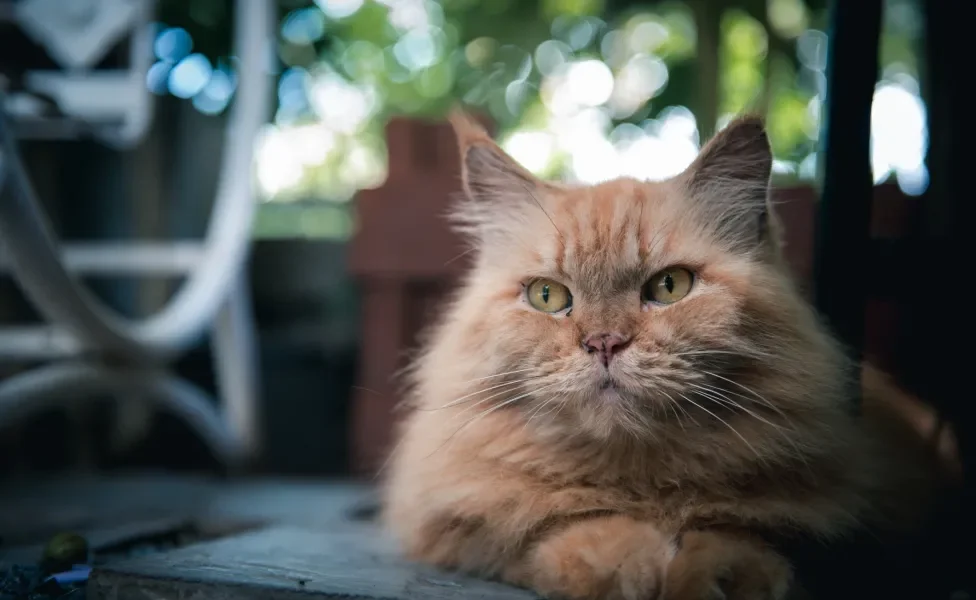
90, 349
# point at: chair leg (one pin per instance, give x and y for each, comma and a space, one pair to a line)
236, 365
67, 383
134, 417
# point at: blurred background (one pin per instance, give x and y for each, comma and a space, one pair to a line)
586, 90
221, 229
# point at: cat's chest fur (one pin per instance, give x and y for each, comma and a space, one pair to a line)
671, 483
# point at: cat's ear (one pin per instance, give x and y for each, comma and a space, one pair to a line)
499, 194
487, 172
729, 182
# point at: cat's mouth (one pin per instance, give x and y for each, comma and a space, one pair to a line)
609, 391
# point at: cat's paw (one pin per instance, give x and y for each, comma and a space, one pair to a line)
609, 558
716, 566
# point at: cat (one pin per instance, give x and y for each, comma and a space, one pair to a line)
627, 390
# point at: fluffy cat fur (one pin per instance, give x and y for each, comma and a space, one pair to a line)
728, 414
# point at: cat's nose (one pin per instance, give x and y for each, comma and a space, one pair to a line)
606, 345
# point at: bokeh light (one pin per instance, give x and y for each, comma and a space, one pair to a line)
339, 9
216, 95
303, 26
157, 77
576, 91
190, 76
899, 136
172, 44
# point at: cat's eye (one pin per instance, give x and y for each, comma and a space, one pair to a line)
668, 286
548, 296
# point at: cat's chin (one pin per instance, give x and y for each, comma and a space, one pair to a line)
612, 388
609, 390
609, 415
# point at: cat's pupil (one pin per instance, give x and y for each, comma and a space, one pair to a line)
669, 283
545, 294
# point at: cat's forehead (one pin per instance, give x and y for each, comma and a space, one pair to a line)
610, 234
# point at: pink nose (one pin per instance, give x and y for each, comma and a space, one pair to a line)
606, 345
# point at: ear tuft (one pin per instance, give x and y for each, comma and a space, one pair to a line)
740, 152
729, 181
467, 129
487, 171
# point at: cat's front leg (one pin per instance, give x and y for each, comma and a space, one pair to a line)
612, 558
721, 566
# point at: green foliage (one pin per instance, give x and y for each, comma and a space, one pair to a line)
499, 55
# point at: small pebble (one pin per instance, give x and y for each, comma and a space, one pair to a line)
63, 551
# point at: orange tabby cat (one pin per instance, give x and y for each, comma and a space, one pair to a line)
628, 388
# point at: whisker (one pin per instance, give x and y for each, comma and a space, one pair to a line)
763, 400
749, 353
389, 457
366, 389
539, 204
670, 404
726, 423
722, 399
483, 400
716, 395
790, 425
496, 375
538, 409
722, 392
784, 431
639, 419
674, 406
396, 447
462, 399
719, 399
705, 352
488, 411
465, 253
674, 411
683, 410
558, 406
